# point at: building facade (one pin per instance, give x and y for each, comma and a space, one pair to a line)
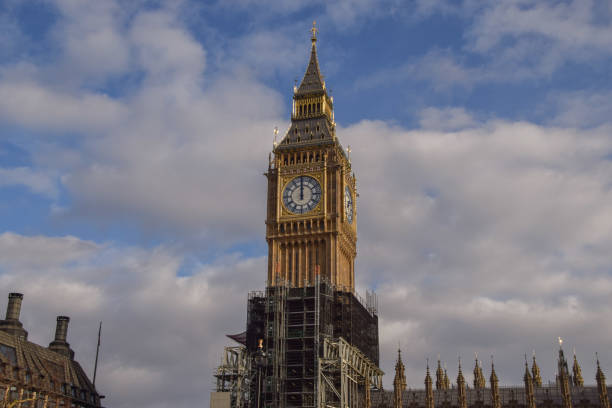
311, 224
34, 376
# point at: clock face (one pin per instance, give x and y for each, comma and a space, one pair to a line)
302, 194
348, 205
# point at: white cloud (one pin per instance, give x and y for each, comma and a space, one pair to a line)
581, 108
36, 181
513, 41
570, 25
42, 251
91, 37
447, 119
157, 327
267, 52
495, 231
165, 50
176, 153
38, 106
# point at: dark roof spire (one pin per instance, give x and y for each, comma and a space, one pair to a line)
313, 80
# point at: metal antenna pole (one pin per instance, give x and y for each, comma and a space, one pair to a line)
97, 353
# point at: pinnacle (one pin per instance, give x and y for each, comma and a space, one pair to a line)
313, 80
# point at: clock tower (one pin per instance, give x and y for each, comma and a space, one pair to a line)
311, 224
310, 340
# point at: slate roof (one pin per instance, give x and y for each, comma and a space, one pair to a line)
46, 369
313, 80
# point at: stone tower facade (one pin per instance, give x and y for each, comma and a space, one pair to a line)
311, 224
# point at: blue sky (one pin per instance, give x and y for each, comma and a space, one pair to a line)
134, 135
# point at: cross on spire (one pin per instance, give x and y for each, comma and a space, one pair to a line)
314, 31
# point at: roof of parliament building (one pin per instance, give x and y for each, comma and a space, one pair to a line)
567, 391
48, 375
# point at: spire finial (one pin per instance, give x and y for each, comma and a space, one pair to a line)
560, 342
314, 31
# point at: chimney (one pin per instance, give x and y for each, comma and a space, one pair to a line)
11, 324
61, 329
14, 306
60, 345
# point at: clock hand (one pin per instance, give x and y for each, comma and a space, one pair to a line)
301, 188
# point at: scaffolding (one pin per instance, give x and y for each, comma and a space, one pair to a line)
346, 376
275, 345
256, 318
234, 375
297, 319
320, 349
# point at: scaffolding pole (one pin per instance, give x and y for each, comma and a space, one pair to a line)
276, 335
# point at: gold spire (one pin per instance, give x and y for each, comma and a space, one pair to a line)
399, 382
314, 31
446, 385
577, 371
529, 393
564, 378
479, 380
461, 397
535, 372
495, 401
429, 398
601, 386
439, 376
